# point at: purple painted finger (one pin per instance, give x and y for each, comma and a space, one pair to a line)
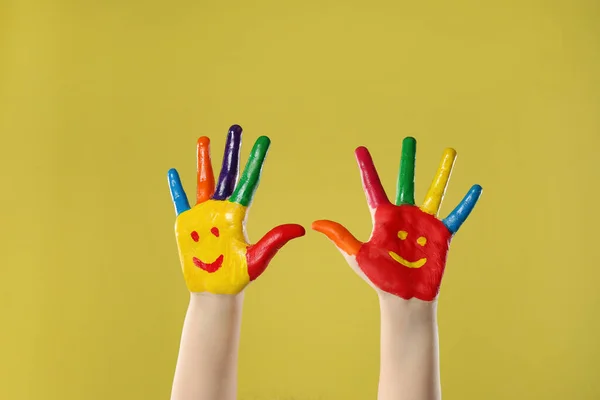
231, 164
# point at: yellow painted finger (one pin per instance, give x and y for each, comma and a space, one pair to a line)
435, 194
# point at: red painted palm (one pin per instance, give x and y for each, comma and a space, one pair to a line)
406, 253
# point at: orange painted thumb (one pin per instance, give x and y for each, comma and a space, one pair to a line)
339, 235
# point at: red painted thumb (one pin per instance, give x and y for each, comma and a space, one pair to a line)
260, 254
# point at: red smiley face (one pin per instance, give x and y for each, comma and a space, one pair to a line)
406, 254
212, 266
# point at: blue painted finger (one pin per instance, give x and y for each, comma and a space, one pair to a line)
180, 200
460, 214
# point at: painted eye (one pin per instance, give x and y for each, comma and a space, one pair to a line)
402, 235
195, 236
422, 240
215, 231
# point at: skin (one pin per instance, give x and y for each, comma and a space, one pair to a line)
404, 261
208, 353
218, 263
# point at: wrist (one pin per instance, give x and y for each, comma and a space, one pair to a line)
413, 312
218, 302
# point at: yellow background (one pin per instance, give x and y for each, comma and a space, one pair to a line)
99, 99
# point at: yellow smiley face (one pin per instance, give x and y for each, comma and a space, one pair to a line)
421, 241
212, 247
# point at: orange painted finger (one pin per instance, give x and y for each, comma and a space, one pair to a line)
339, 235
205, 177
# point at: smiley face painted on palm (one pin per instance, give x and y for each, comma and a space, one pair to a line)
406, 253
407, 250
212, 247
211, 236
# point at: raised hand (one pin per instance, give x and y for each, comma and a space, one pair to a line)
406, 253
211, 236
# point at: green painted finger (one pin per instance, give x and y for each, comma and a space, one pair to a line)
405, 190
244, 191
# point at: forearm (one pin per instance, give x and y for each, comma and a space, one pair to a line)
409, 350
207, 362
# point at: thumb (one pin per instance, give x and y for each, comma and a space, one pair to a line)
260, 254
339, 235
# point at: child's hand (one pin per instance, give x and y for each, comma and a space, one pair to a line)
211, 236
406, 254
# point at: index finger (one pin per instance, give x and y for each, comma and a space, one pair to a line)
370, 179
244, 192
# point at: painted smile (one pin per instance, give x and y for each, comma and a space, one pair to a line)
209, 267
408, 264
